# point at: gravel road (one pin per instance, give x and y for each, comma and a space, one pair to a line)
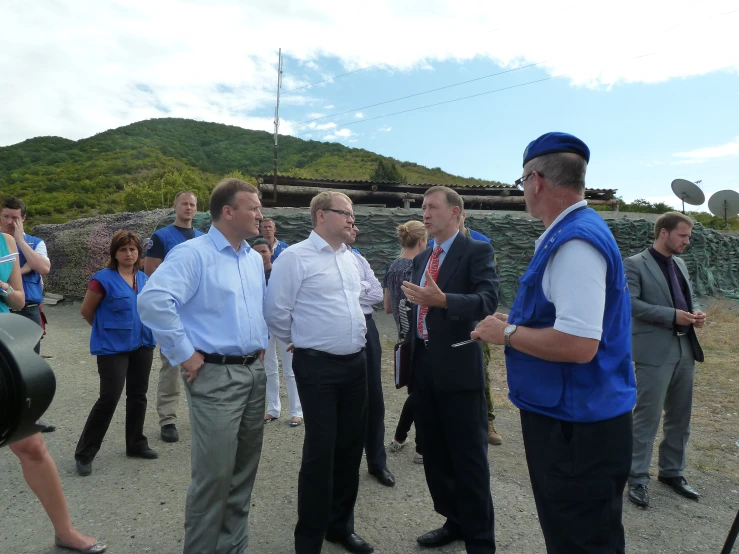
138, 506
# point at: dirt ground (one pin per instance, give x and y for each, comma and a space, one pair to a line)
138, 506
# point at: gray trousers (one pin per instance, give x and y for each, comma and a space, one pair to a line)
226, 414
668, 387
168, 392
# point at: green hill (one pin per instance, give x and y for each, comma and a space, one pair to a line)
136, 166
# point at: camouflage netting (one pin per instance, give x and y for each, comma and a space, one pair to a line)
79, 248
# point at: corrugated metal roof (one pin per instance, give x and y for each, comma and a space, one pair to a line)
357, 183
269, 177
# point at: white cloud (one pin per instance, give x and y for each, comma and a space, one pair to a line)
71, 68
340, 134
700, 155
385, 129
359, 115
324, 126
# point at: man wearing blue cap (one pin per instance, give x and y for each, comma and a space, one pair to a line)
568, 356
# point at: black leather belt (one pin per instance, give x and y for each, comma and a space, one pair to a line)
221, 359
322, 354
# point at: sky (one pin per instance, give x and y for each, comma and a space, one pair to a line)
651, 86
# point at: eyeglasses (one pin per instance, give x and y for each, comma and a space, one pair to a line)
520, 181
348, 215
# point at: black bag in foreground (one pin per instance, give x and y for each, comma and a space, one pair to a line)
27, 383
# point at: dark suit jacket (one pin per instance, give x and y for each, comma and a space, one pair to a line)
468, 278
653, 311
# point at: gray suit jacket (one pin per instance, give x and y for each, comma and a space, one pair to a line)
652, 309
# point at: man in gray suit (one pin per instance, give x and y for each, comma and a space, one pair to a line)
665, 349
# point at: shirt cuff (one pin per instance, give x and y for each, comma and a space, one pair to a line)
180, 352
586, 333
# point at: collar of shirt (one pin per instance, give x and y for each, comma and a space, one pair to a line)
447, 244
658, 256
560, 217
221, 242
320, 244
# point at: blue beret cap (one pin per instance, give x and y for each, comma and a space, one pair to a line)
551, 143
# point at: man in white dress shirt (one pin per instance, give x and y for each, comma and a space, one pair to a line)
313, 303
374, 442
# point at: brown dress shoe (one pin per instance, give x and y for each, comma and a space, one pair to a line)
493, 436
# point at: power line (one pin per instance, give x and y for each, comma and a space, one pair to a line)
438, 103
418, 94
301, 87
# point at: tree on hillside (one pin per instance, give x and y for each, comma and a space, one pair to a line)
388, 172
159, 191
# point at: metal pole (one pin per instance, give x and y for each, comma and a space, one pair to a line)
277, 119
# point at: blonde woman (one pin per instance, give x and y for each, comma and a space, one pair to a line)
413, 241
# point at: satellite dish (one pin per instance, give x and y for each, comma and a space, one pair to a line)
724, 203
687, 191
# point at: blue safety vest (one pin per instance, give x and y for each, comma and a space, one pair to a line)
600, 389
117, 326
171, 237
32, 286
278, 250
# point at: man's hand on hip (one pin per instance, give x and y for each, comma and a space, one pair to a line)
192, 365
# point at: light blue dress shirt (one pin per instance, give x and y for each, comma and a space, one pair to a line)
445, 248
206, 296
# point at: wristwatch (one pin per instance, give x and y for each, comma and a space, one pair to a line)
507, 332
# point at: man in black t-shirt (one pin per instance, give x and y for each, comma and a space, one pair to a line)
160, 244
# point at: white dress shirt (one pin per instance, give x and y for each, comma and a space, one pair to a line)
313, 298
371, 289
575, 282
206, 296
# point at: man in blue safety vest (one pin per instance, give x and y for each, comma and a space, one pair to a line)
35, 264
160, 244
568, 356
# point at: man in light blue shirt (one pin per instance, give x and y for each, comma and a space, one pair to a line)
204, 306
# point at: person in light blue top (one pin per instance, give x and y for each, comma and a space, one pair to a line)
204, 306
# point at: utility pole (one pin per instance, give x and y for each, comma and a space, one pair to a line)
277, 122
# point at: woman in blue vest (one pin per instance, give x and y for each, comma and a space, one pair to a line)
39, 468
124, 348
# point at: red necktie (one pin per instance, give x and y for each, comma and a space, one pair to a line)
434, 271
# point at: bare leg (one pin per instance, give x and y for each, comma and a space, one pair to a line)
42, 476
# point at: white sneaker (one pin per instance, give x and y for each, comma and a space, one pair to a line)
418, 458
396, 446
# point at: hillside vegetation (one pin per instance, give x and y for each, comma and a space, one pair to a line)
138, 166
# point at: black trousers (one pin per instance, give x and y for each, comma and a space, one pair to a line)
454, 428
132, 370
32, 313
578, 474
407, 417
333, 393
374, 443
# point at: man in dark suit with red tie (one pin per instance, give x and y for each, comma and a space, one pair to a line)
454, 286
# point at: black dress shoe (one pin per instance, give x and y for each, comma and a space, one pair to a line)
384, 476
169, 433
352, 542
84, 469
146, 453
438, 537
680, 486
638, 495
46, 427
